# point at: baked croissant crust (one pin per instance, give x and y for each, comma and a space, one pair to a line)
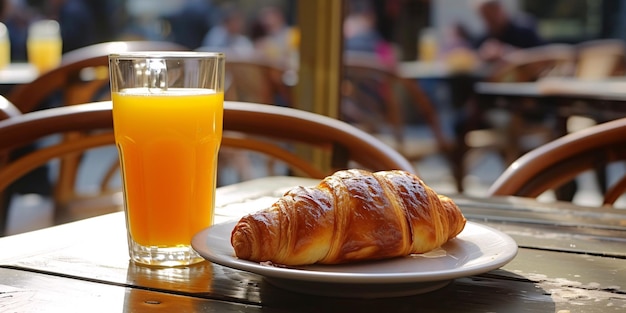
353, 215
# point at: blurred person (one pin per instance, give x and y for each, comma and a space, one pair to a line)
108, 18
229, 34
362, 35
77, 21
504, 33
456, 49
273, 35
17, 16
363, 97
190, 24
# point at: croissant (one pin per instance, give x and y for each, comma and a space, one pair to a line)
352, 215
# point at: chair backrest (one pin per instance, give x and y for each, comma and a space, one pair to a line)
7, 109
560, 161
254, 79
531, 64
263, 126
379, 91
81, 77
601, 58
251, 77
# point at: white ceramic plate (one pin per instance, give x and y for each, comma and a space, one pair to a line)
477, 249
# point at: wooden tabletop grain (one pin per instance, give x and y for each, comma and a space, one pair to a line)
570, 258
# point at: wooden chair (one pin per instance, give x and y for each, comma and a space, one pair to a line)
602, 58
256, 80
519, 128
560, 161
531, 64
350, 146
374, 98
251, 78
7, 110
81, 77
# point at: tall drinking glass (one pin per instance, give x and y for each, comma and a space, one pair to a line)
44, 45
167, 116
5, 46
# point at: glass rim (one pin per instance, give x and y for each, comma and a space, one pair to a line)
133, 55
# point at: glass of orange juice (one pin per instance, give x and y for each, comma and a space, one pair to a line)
167, 117
5, 46
44, 45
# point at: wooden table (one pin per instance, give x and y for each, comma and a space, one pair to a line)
570, 259
459, 83
600, 99
560, 98
16, 74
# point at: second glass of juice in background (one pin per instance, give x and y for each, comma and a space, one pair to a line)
5, 47
167, 116
44, 45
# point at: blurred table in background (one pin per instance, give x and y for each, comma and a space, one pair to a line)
450, 86
438, 69
551, 102
601, 100
458, 80
16, 74
420, 69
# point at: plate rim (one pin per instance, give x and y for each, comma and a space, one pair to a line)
299, 274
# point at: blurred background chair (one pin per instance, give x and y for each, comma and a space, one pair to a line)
518, 125
395, 109
601, 58
254, 79
27, 128
266, 125
7, 110
559, 162
532, 64
81, 77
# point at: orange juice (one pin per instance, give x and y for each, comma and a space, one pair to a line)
44, 54
5, 53
427, 45
168, 143
5, 46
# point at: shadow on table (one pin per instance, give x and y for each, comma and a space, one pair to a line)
488, 293
190, 288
